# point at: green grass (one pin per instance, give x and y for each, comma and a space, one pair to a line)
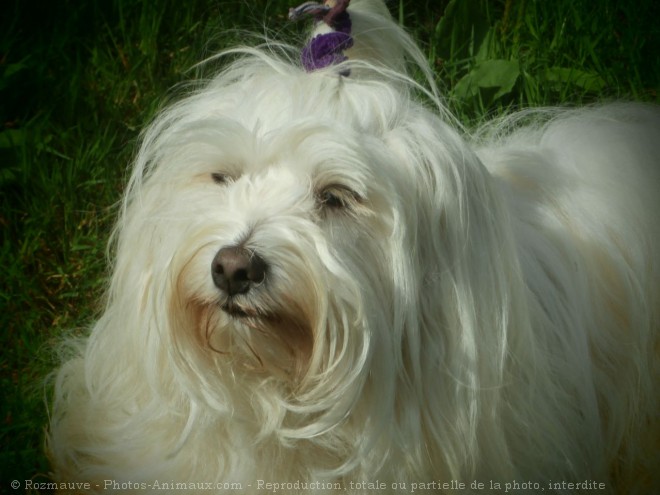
497, 56
78, 82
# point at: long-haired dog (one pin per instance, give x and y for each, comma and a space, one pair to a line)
322, 284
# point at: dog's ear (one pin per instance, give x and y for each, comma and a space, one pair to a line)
468, 296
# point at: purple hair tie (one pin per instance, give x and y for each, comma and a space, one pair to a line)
327, 49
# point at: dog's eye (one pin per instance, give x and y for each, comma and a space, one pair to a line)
331, 199
338, 197
220, 178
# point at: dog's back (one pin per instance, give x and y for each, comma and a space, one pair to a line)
583, 191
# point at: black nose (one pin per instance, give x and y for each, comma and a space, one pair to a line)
235, 270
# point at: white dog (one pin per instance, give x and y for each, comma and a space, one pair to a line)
321, 284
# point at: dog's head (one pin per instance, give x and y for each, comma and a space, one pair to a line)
302, 233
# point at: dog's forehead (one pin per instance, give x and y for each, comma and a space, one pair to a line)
306, 148
314, 127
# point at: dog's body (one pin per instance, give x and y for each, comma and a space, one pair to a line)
318, 281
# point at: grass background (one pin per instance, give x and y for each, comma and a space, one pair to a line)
78, 80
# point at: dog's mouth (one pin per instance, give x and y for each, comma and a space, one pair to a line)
241, 310
271, 340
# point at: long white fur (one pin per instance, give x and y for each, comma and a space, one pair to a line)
488, 310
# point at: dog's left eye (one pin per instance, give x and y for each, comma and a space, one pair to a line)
338, 197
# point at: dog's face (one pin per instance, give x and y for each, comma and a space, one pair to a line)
300, 230
276, 241
288, 231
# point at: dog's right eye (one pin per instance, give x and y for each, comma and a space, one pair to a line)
220, 178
